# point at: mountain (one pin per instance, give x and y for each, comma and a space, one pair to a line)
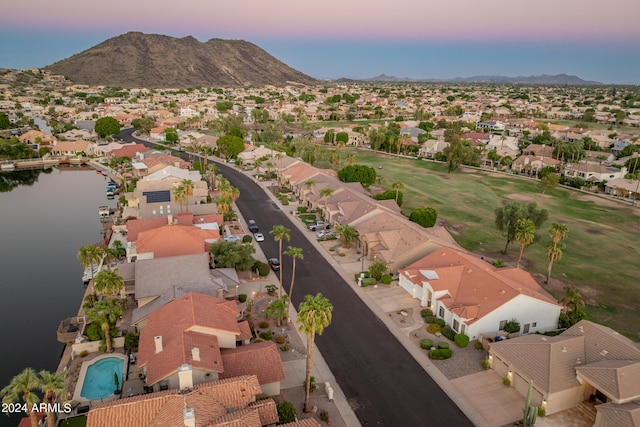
544, 79
155, 61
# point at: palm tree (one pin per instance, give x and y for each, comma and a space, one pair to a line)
108, 282
325, 193
525, 234
295, 253
257, 163
397, 185
351, 159
188, 190
347, 233
20, 388
573, 301
223, 204
278, 309
314, 314
110, 254
53, 385
89, 256
107, 313
179, 193
119, 248
558, 233
280, 232
213, 170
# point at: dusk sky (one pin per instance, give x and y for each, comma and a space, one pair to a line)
355, 38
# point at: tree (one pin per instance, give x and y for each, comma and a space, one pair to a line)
90, 256
188, 190
325, 193
179, 194
107, 313
314, 315
397, 185
508, 215
365, 175
171, 135
108, 282
213, 170
294, 253
21, 388
280, 232
558, 233
549, 182
230, 146
426, 217
342, 137
377, 269
525, 234
278, 309
348, 234
5, 123
53, 385
454, 153
107, 126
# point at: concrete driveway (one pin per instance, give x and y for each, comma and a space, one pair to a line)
499, 404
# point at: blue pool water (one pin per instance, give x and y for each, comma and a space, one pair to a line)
99, 381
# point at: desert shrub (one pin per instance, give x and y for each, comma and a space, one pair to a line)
247, 239
498, 263
461, 340
448, 332
426, 312
266, 335
433, 328
312, 383
478, 345
324, 415
341, 254
430, 319
443, 344
84, 353
286, 412
285, 347
302, 209
386, 279
369, 281
377, 269
94, 332
281, 339
262, 268
440, 354
541, 411
485, 363
426, 343
506, 381
439, 322
264, 325
242, 297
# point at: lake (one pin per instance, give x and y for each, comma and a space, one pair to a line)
42, 226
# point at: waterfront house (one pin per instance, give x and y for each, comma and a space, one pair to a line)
474, 298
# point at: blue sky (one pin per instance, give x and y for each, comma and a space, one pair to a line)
356, 39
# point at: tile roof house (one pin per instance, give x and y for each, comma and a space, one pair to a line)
229, 402
173, 240
474, 297
586, 362
193, 339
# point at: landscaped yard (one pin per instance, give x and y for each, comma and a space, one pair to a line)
602, 256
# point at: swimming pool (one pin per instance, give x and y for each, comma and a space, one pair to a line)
99, 380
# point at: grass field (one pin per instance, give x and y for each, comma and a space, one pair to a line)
602, 256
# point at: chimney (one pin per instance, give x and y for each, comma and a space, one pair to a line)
189, 417
158, 341
195, 353
185, 377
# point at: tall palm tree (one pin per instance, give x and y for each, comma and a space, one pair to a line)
525, 234
21, 388
188, 190
558, 233
325, 193
295, 253
347, 233
108, 282
223, 204
397, 185
90, 256
213, 170
107, 313
110, 254
179, 194
119, 248
314, 314
54, 387
278, 309
280, 232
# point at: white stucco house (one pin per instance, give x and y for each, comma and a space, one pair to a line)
474, 297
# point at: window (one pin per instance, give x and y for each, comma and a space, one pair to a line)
503, 323
456, 325
441, 312
534, 324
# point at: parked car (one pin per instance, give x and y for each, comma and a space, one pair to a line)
253, 227
259, 237
274, 264
324, 233
318, 225
232, 238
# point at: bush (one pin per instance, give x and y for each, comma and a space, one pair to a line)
448, 332
242, 297
485, 363
84, 353
286, 412
461, 340
433, 328
426, 343
285, 347
439, 322
324, 415
512, 326
377, 269
303, 209
541, 411
247, 239
389, 195
506, 381
426, 217
478, 345
262, 268
267, 335
386, 279
264, 325
281, 339
440, 354
131, 340
443, 344
369, 281
426, 312
93, 331
357, 275
312, 384
498, 263
430, 319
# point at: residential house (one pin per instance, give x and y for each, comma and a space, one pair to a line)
593, 173
504, 145
587, 362
474, 298
622, 187
172, 240
72, 148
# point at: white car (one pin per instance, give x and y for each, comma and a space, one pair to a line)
259, 237
232, 238
324, 233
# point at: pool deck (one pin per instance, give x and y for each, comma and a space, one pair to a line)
83, 373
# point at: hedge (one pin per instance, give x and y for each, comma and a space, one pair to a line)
461, 340
357, 275
262, 267
433, 328
426, 312
443, 344
369, 281
440, 322
440, 354
386, 279
267, 335
448, 332
430, 319
426, 343
242, 297
247, 239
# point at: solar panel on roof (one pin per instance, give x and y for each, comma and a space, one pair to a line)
157, 196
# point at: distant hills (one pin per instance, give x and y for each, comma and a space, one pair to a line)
544, 79
149, 60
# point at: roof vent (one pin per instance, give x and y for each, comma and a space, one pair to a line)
578, 361
564, 349
604, 352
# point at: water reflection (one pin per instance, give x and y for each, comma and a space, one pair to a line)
13, 179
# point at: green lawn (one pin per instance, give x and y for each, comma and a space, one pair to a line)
602, 257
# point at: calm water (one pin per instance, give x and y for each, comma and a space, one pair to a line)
41, 228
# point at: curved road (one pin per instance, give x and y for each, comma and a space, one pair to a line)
383, 384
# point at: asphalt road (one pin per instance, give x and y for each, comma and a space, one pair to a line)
383, 384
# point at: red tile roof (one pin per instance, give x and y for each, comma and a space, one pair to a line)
129, 150
260, 359
175, 240
136, 226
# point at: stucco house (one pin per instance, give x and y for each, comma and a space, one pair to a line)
586, 363
474, 297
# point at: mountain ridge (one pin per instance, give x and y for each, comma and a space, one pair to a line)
542, 79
